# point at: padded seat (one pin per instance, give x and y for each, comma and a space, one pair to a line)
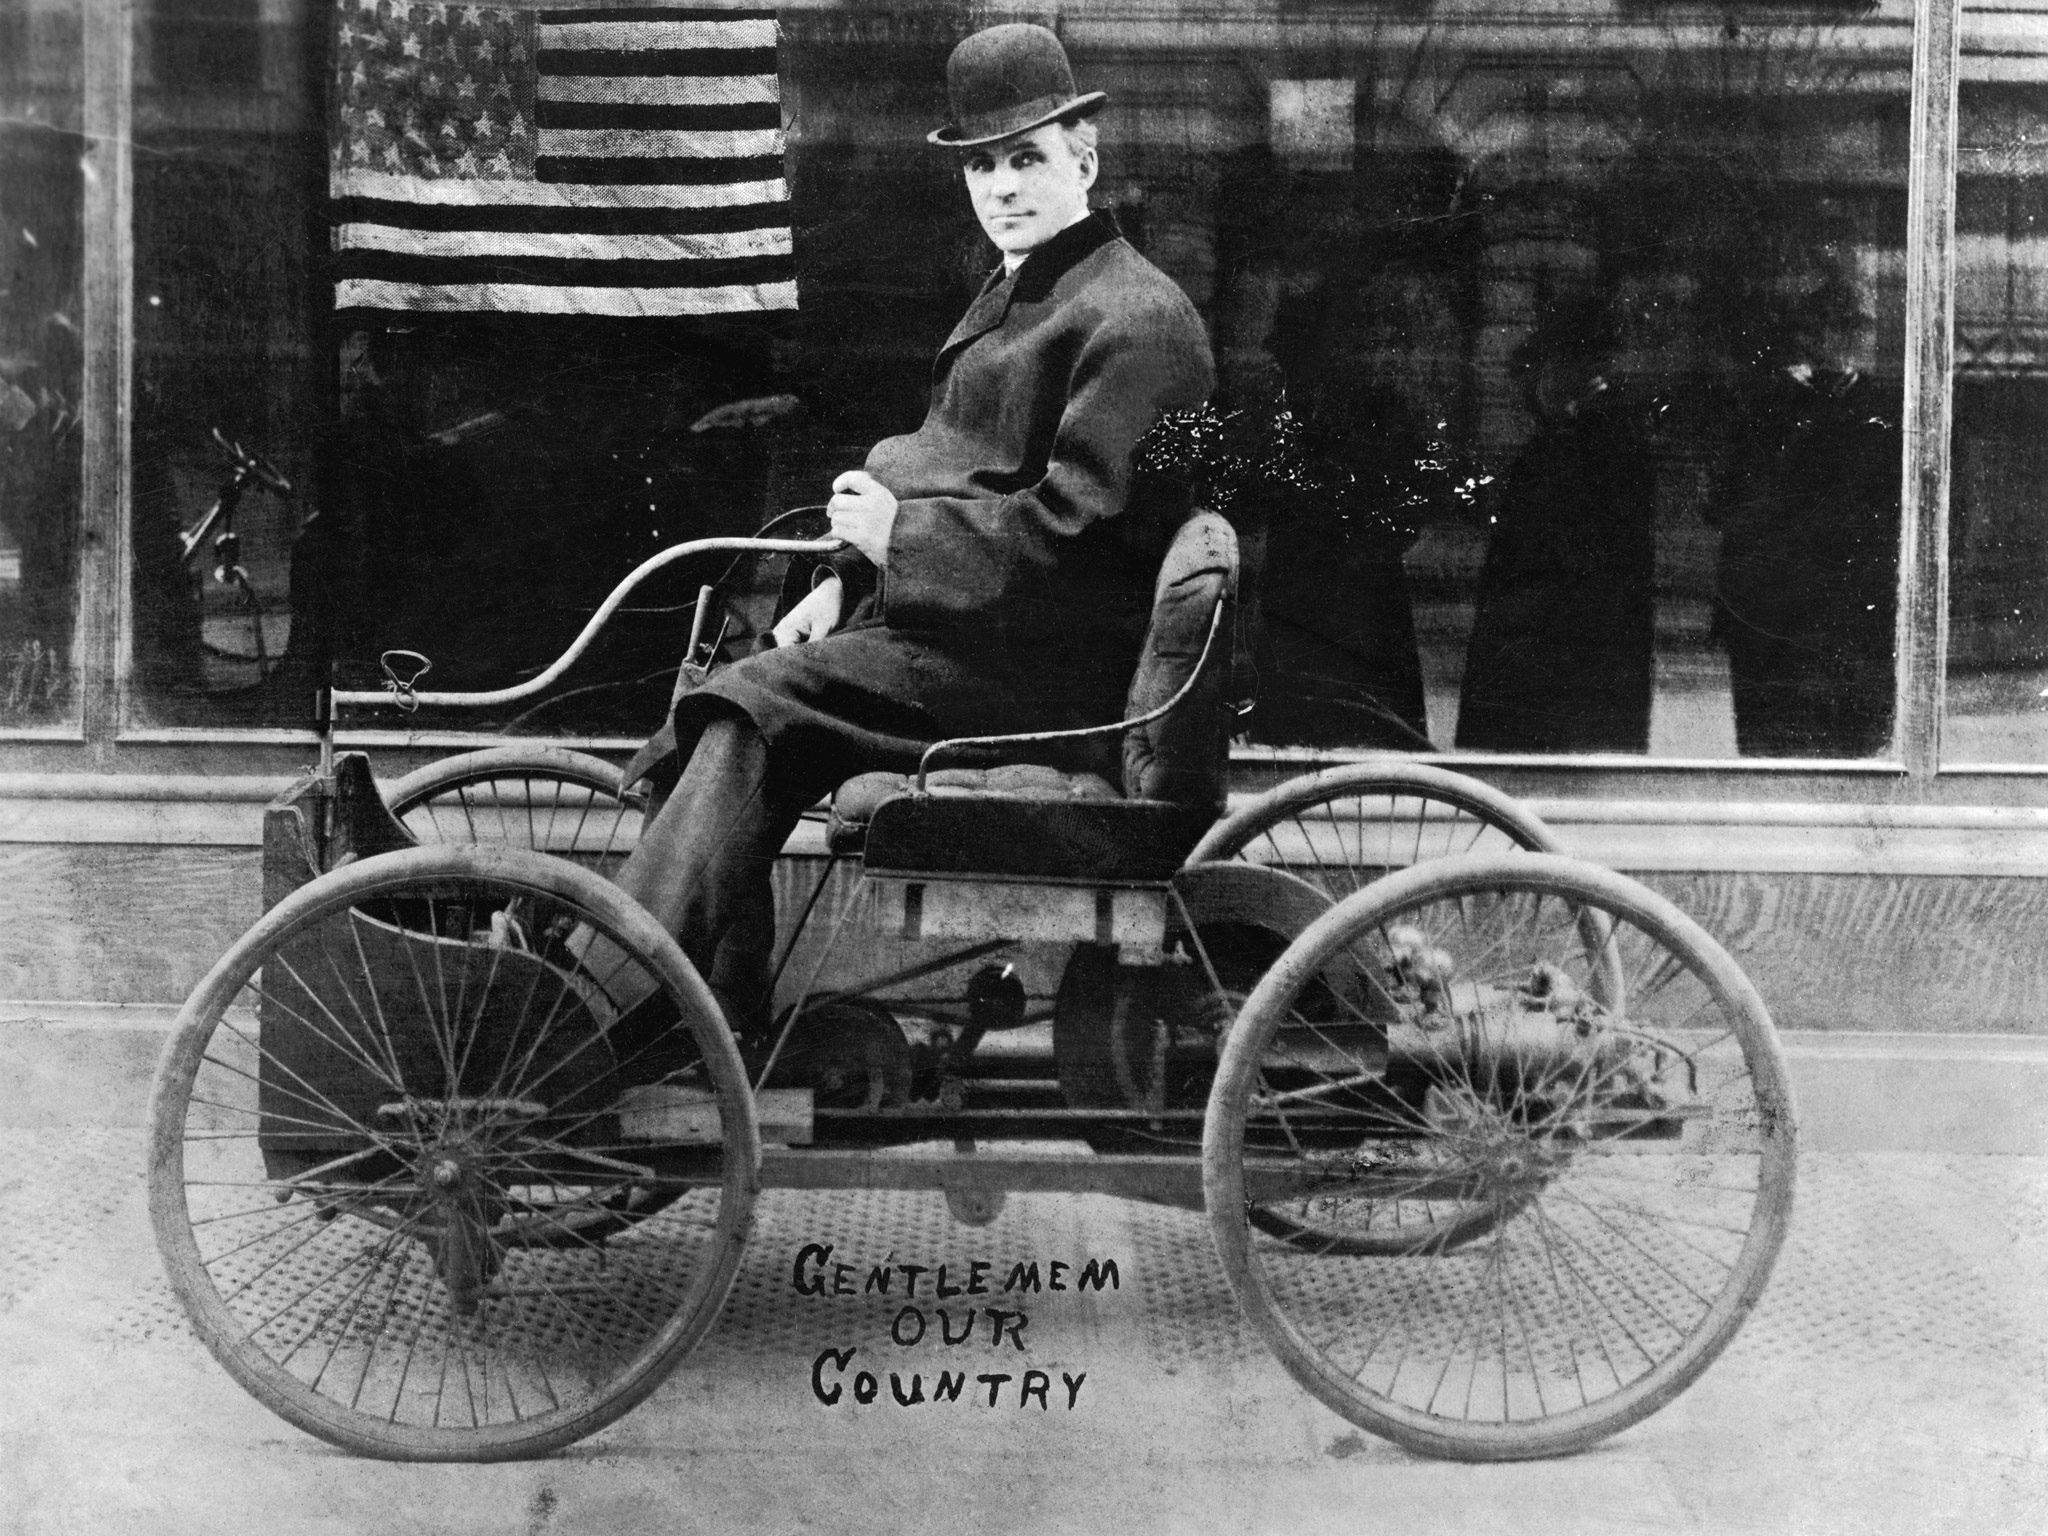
1071, 831
1028, 822
856, 801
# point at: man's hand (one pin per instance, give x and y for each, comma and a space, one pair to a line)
863, 513
815, 617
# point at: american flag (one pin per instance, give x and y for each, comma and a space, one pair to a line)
594, 161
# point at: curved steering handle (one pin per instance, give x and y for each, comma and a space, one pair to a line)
402, 671
409, 698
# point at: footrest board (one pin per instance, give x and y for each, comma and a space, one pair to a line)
1133, 919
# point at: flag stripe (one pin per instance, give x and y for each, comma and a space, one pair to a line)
521, 244
663, 144
644, 117
661, 34
529, 299
514, 218
518, 194
658, 61
662, 90
567, 272
615, 13
648, 171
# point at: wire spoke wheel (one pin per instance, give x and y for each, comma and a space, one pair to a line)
1340, 830
407, 1191
1570, 1062
1345, 827
545, 798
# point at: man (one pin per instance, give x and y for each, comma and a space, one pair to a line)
992, 579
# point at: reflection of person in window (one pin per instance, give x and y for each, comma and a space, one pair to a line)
1808, 507
1353, 344
39, 488
1560, 655
996, 578
40, 439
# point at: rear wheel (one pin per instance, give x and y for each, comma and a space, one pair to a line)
545, 798
1602, 1087
1345, 827
1339, 830
402, 1182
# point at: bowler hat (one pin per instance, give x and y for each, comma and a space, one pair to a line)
1007, 80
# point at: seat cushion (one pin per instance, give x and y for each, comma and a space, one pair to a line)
853, 806
1021, 837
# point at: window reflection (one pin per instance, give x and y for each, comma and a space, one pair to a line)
1630, 314
41, 203
1998, 536
229, 337
1583, 328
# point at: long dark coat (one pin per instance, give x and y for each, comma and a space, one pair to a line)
1561, 651
1806, 591
1019, 571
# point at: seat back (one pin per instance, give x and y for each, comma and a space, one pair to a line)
1184, 756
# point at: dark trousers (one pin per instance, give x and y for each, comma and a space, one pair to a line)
704, 864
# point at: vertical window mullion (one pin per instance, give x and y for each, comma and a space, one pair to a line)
1930, 341
109, 345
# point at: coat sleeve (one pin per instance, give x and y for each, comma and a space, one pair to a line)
954, 558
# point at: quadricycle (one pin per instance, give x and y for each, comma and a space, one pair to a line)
1496, 1146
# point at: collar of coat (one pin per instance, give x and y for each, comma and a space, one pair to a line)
1033, 280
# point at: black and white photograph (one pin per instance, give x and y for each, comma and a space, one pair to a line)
1232, 767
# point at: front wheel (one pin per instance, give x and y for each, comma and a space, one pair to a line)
399, 1174
1559, 1052
1345, 827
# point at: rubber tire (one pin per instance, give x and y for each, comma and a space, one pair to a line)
1223, 1166
220, 1329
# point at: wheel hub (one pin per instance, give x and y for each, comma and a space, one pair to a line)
1508, 1163
451, 1171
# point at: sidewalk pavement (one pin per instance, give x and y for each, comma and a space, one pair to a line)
1894, 1378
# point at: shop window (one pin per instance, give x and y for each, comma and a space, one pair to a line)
1604, 342
1998, 534
228, 337
1570, 373
41, 357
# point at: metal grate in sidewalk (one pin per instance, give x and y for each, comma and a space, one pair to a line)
1893, 1258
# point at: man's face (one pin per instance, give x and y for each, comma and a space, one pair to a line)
1028, 188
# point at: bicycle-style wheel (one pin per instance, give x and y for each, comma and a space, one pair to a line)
1636, 1156
1340, 830
1345, 827
544, 798
408, 1193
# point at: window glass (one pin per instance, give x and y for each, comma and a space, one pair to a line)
41, 442
1561, 351
1592, 325
469, 471
229, 339
1998, 520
